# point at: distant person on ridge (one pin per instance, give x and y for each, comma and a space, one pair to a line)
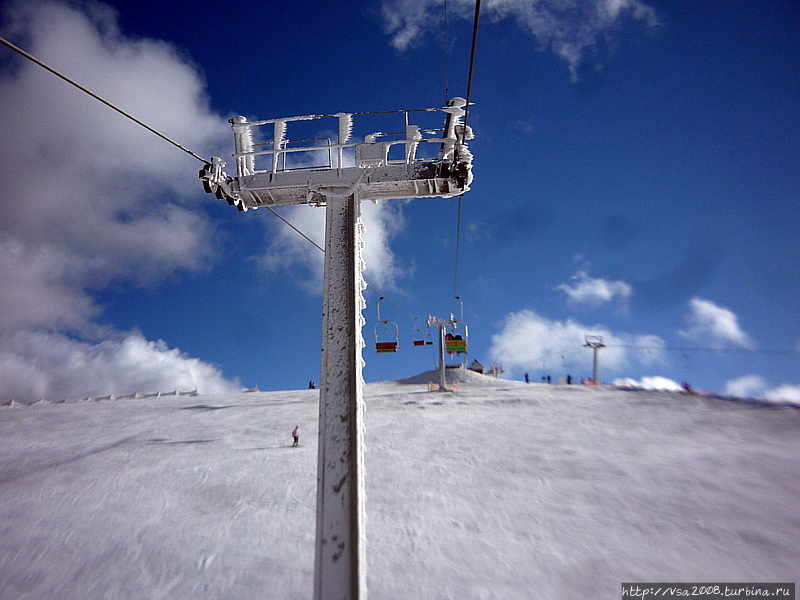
569, 379
296, 436
526, 378
311, 385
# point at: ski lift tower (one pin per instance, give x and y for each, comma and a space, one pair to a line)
595, 342
442, 324
353, 171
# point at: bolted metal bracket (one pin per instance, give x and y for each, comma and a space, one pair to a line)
216, 181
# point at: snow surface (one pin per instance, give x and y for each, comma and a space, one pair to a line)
497, 490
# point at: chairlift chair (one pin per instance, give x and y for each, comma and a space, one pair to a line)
386, 337
421, 338
455, 342
387, 333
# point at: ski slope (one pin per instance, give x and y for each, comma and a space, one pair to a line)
497, 490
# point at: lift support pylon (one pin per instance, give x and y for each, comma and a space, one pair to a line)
355, 171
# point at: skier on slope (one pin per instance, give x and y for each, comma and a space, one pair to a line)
296, 436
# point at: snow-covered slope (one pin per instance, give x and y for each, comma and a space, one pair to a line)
497, 490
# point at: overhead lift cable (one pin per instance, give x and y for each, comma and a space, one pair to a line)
103, 100
47, 67
475, 20
446, 58
277, 214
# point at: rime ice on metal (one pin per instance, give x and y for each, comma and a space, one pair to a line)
354, 171
263, 178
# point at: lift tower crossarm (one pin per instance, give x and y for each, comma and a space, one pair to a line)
373, 175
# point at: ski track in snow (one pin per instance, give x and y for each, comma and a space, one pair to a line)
497, 490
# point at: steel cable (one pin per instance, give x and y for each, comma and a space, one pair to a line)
134, 119
475, 21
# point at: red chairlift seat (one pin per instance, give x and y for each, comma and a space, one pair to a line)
387, 333
385, 346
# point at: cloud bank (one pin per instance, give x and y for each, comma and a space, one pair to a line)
755, 386
35, 365
714, 325
570, 29
89, 198
528, 341
655, 383
784, 393
595, 291
746, 386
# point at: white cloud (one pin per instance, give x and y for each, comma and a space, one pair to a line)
755, 386
747, 386
650, 383
526, 126
37, 290
784, 393
37, 365
591, 290
715, 325
287, 250
88, 197
568, 28
528, 341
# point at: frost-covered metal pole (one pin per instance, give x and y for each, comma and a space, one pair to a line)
340, 558
370, 174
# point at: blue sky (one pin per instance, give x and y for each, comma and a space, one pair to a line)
635, 176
